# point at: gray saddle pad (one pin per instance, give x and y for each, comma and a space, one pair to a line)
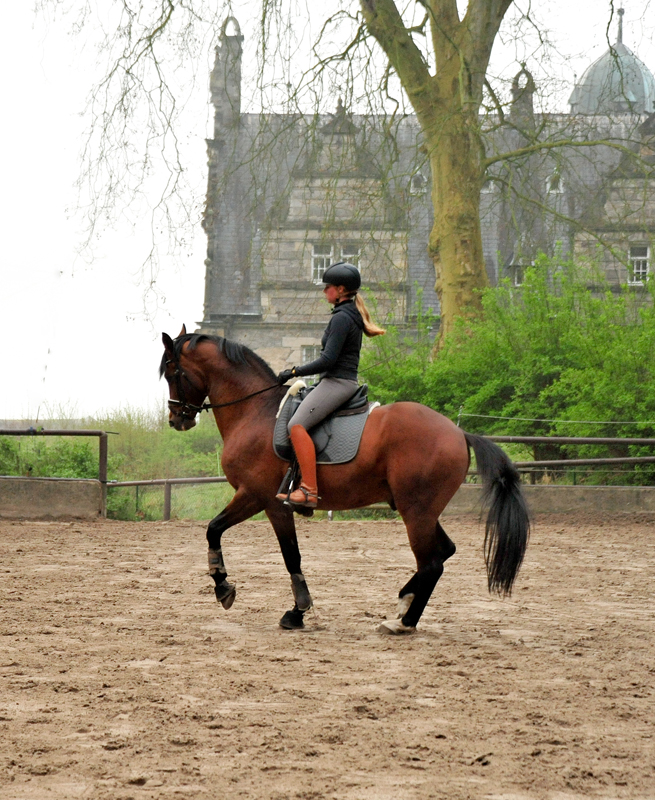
336, 438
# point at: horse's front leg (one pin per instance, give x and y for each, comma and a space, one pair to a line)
285, 529
240, 508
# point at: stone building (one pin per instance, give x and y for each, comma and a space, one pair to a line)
289, 194
622, 217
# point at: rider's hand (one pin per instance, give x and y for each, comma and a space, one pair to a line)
284, 376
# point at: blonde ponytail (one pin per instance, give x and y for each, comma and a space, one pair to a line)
370, 328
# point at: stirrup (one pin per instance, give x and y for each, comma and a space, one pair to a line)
310, 501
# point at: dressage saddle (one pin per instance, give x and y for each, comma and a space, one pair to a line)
336, 438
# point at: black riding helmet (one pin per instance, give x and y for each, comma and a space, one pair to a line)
343, 274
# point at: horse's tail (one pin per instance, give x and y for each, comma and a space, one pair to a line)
508, 523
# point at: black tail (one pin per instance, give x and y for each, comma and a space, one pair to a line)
508, 524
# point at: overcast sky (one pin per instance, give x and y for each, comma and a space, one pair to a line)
79, 338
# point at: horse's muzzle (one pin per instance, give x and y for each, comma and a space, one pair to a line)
182, 423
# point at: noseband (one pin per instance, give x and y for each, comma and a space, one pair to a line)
182, 406
188, 410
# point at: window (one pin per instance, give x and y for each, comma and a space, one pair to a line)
516, 272
417, 184
488, 187
322, 257
350, 253
326, 253
308, 352
639, 257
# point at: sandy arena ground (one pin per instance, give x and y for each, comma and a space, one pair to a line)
123, 678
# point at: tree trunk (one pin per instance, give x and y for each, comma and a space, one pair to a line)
456, 240
447, 105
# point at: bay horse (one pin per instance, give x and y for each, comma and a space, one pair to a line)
410, 457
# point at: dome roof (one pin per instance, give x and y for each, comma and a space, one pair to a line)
617, 82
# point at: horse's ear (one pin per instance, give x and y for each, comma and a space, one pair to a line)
182, 332
169, 346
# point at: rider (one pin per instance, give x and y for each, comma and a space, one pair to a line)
337, 363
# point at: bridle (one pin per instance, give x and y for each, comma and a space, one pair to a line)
183, 408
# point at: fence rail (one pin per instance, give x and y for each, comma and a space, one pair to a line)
164, 481
579, 462
576, 462
168, 484
568, 440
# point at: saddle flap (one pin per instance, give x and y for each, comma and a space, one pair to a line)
321, 435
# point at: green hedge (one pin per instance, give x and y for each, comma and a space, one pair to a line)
562, 346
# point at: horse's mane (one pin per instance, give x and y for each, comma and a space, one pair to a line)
237, 354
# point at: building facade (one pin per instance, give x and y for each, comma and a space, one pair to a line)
290, 194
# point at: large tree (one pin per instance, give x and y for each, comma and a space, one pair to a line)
447, 102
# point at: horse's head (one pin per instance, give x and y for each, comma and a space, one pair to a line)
195, 364
187, 393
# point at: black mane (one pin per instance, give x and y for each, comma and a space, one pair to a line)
237, 354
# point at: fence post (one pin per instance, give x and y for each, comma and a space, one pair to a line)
167, 501
103, 448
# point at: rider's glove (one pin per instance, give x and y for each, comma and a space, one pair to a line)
284, 376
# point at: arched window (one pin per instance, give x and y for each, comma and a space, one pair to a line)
417, 184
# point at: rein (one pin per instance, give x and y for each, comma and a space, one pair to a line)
182, 405
207, 406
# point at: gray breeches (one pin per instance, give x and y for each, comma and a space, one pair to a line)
323, 400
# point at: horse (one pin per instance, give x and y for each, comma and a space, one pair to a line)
410, 456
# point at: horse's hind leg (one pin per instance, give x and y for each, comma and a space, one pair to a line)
431, 550
445, 544
283, 523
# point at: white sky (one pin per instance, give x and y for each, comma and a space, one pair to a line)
76, 338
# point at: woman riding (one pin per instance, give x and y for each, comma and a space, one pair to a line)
337, 364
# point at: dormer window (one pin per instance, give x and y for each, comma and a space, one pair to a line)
554, 183
417, 184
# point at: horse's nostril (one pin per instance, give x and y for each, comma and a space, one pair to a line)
171, 423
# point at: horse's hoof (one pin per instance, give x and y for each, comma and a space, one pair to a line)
292, 620
395, 627
225, 594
